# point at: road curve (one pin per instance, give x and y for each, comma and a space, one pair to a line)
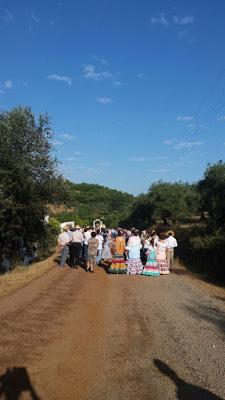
72, 335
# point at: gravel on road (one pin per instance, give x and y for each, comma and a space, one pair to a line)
72, 335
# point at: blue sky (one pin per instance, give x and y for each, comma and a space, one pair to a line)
135, 89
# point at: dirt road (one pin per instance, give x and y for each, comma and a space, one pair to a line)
72, 335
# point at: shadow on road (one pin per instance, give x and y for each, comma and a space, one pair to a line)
208, 313
14, 382
184, 390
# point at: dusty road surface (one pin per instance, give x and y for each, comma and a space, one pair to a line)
72, 335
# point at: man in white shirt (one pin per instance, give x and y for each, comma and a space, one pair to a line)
76, 246
63, 241
171, 244
100, 239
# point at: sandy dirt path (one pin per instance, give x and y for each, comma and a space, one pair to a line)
73, 335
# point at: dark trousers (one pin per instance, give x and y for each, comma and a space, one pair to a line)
85, 252
75, 252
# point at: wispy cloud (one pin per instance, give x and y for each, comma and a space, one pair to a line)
6, 85
187, 145
160, 170
33, 21
104, 100
221, 118
91, 72
57, 77
168, 141
57, 142
34, 17
187, 19
138, 159
7, 17
103, 164
73, 158
100, 60
52, 23
160, 20
159, 158
67, 136
195, 126
142, 76
185, 118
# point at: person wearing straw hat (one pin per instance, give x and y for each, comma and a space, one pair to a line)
171, 244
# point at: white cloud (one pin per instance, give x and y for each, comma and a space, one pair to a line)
104, 100
57, 77
57, 142
138, 159
73, 159
160, 170
194, 126
187, 145
7, 17
34, 17
142, 76
221, 118
90, 72
99, 60
117, 83
67, 136
187, 19
168, 141
8, 84
185, 118
159, 158
161, 20
103, 164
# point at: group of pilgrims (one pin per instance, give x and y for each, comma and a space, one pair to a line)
120, 251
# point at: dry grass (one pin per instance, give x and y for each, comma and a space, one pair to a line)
21, 276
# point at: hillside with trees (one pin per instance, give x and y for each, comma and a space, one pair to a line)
86, 202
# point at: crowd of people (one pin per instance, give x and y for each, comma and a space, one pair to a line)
119, 250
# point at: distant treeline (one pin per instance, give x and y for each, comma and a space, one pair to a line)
86, 202
201, 247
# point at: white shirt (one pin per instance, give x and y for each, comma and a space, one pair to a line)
87, 236
78, 237
146, 243
134, 241
70, 234
100, 240
63, 239
171, 242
